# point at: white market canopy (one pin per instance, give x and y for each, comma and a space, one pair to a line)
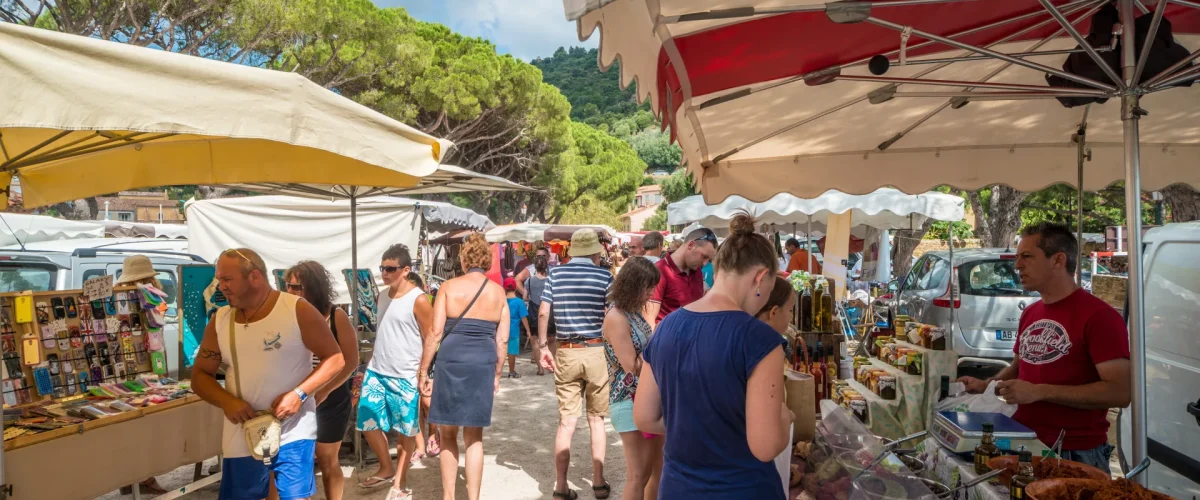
886, 208
529, 231
287, 229
22, 228
446, 179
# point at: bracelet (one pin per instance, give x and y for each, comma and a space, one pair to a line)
542, 345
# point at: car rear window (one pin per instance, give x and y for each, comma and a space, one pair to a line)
991, 278
22, 278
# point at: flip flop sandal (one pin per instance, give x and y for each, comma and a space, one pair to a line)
433, 448
569, 495
603, 491
398, 494
416, 457
374, 482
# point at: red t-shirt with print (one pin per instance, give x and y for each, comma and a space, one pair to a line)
1061, 344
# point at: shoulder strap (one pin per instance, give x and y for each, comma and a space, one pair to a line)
237, 373
446, 331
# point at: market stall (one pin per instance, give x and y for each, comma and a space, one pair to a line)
854, 96
84, 371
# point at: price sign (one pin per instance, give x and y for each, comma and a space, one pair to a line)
100, 287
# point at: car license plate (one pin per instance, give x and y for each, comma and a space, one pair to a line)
1006, 335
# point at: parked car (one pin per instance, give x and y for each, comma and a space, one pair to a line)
1172, 302
986, 305
66, 264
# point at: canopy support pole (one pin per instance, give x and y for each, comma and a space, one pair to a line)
1081, 154
354, 311
1130, 113
808, 247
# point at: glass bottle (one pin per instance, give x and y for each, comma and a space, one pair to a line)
1016, 490
831, 368
818, 373
986, 449
827, 309
818, 294
806, 309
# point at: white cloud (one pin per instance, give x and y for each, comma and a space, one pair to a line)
523, 28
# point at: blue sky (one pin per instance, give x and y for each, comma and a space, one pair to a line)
523, 28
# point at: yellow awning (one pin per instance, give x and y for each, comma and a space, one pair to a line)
81, 117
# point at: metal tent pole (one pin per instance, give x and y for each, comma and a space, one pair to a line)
354, 289
808, 247
1081, 154
1130, 113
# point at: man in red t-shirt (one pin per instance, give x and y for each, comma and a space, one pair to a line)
1072, 352
680, 280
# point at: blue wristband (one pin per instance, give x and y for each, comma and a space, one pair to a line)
302, 394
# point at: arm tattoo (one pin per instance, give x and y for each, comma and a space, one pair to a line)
209, 354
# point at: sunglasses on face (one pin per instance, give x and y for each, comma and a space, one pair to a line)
389, 269
295, 287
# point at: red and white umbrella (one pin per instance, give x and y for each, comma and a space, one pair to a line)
803, 96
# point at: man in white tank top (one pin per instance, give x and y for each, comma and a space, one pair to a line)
390, 400
274, 336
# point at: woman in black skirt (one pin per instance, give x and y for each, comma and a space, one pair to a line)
471, 314
310, 280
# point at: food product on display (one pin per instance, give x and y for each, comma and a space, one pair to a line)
986, 449
806, 307
827, 309
1024, 477
1052, 469
859, 408
937, 339
796, 476
802, 449
818, 293
1091, 489
914, 363
887, 387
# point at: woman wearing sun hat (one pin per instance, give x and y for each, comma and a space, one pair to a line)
138, 270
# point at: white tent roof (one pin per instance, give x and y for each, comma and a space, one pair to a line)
35, 228
885, 208
287, 229
446, 179
537, 232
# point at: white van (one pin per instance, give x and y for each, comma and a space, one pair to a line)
1172, 298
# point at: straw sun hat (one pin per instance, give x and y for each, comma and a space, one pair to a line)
136, 267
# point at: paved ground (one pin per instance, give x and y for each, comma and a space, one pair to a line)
517, 448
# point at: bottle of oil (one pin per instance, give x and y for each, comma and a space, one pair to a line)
1016, 490
827, 308
818, 294
806, 310
986, 449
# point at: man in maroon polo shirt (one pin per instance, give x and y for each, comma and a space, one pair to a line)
1072, 352
681, 281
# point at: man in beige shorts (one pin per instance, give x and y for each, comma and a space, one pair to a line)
577, 291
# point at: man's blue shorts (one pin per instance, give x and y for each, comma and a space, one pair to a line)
245, 478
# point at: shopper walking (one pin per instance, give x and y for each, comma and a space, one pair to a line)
535, 285
652, 246
310, 280
267, 339
682, 280
390, 400
517, 315
527, 272
720, 440
576, 291
472, 314
625, 334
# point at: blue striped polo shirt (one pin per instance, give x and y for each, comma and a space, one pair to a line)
577, 291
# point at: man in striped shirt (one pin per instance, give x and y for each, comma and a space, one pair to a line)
577, 291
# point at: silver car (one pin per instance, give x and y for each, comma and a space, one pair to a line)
982, 317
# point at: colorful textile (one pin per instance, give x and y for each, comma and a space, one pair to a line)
388, 403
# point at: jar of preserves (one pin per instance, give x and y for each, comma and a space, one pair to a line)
887, 387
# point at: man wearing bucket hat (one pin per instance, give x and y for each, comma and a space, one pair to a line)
577, 292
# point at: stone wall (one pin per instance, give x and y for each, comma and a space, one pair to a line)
1111, 289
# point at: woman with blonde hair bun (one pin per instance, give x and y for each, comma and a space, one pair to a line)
711, 381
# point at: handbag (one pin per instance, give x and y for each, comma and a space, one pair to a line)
263, 432
446, 331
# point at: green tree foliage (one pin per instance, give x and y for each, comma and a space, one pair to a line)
938, 229
678, 186
593, 93
656, 222
598, 165
590, 210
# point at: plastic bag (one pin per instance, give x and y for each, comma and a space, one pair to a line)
987, 402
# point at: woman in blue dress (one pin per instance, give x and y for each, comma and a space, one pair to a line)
712, 381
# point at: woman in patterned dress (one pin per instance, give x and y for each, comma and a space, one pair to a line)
625, 332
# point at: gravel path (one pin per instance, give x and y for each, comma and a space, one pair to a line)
518, 449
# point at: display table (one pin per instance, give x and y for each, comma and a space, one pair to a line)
952, 471
93, 458
916, 395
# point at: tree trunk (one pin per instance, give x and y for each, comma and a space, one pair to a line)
906, 243
1183, 201
997, 226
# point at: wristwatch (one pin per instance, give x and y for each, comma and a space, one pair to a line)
303, 395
